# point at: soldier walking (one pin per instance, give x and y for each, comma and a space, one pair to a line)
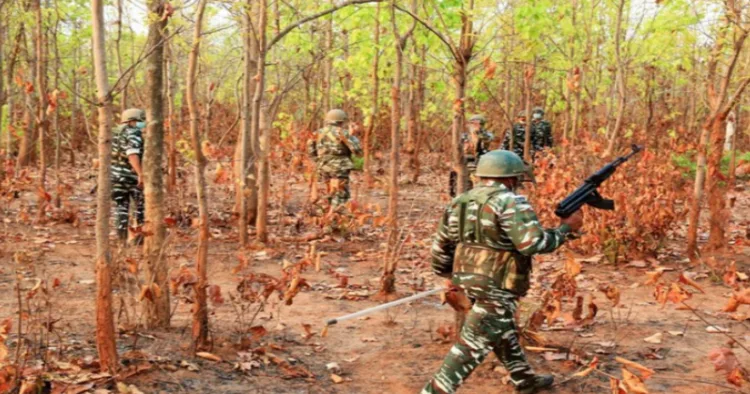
485, 243
541, 130
332, 148
127, 173
474, 143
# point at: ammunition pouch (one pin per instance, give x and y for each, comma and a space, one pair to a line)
511, 271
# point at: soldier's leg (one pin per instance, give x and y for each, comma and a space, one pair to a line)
508, 347
121, 198
341, 192
475, 342
137, 195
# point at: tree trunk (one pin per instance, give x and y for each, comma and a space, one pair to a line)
328, 63
56, 118
172, 156
124, 96
265, 149
157, 311
388, 282
25, 148
695, 204
3, 94
716, 187
528, 81
105, 327
246, 194
200, 309
41, 84
375, 83
620, 80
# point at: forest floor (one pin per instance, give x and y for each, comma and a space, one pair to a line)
388, 352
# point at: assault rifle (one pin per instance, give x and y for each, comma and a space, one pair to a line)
587, 193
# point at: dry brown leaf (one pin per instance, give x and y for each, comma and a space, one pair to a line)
653, 277
572, 267
723, 359
685, 280
612, 293
736, 377
308, 331
336, 378
633, 383
645, 372
209, 356
257, 332
677, 294
591, 367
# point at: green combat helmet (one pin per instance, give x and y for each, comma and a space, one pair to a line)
502, 164
336, 116
521, 114
538, 110
478, 118
133, 114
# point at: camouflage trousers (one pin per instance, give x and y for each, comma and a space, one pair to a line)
489, 326
122, 193
337, 187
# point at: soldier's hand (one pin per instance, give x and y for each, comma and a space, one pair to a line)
140, 182
575, 221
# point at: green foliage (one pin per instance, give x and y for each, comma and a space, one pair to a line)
686, 162
359, 162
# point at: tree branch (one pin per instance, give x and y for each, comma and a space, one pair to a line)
434, 31
735, 98
313, 17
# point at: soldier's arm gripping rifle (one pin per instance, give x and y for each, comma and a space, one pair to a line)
588, 193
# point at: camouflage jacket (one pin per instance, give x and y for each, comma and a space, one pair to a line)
126, 141
519, 138
475, 145
332, 147
492, 219
542, 134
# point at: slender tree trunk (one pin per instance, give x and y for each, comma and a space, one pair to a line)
375, 83
620, 80
418, 103
3, 94
124, 94
264, 155
247, 192
328, 64
388, 282
200, 309
105, 327
695, 204
41, 84
172, 156
528, 83
25, 148
157, 311
56, 118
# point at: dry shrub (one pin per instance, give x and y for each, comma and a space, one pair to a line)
648, 191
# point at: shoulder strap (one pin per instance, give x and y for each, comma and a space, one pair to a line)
480, 198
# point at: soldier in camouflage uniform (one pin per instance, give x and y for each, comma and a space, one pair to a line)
484, 244
127, 173
541, 129
475, 143
332, 148
519, 137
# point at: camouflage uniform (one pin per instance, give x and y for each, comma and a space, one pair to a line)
484, 139
541, 134
519, 139
332, 148
485, 240
126, 141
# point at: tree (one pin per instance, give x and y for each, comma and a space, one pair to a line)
157, 310
264, 183
41, 84
200, 309
105, 326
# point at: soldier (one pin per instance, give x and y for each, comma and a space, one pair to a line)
475, 143
127, 173
485, 243
332, 149
541, 129
519, 135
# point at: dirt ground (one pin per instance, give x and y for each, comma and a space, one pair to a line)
388, 352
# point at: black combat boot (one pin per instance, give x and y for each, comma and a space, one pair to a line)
535, 384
